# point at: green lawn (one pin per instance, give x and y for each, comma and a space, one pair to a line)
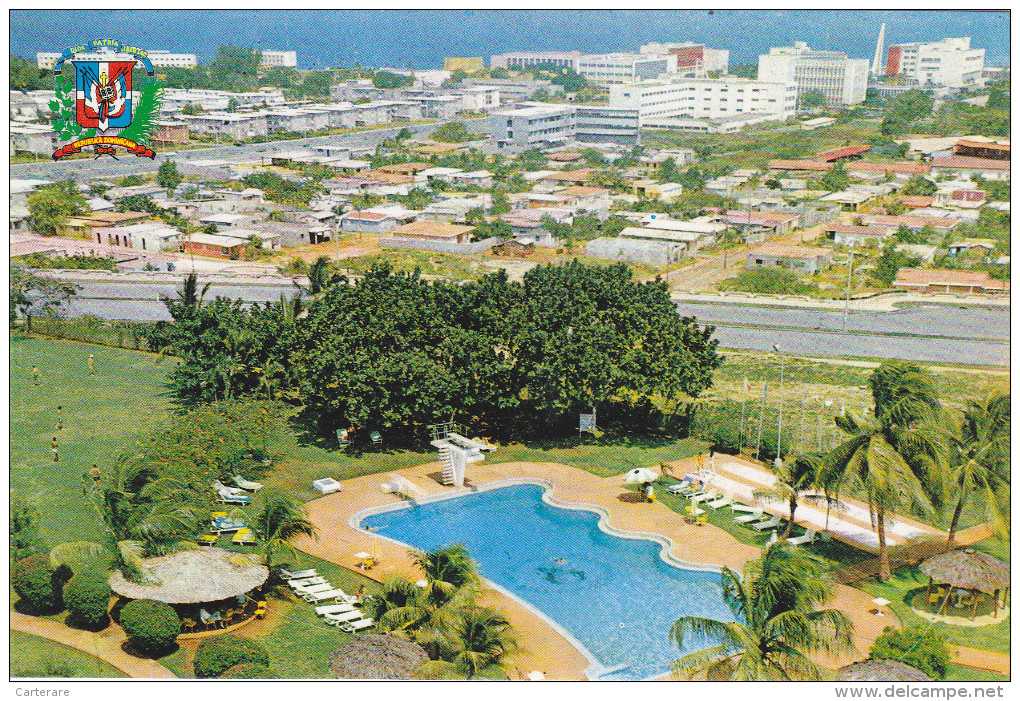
31, 656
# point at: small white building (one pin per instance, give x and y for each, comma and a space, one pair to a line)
147, 236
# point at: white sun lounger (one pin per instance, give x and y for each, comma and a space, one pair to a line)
355, 626
679, 486
247, 484
808, 537
316, 597
750, 516
720, 502
305, 583
313, 589
298, 574
333, 609
335, 619
737, 506
765, 525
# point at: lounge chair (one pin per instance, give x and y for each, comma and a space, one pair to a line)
225, 498
333, 608
355, 626
808, 537
227, 525
767, 524
224, 489
244, 537
247, 484
737, 506
297, 574
750, 516
679, 486
316, 597
335, 619
720, 502
313, 589
305, 583
205, 539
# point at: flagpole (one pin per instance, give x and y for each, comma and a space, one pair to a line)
761, 417
743, 404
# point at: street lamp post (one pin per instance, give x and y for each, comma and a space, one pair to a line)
779, 432
828, 403
849, 272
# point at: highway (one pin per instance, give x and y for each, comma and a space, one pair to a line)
926, 333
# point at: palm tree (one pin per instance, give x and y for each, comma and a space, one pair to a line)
793, 476
450, 574
397, 593
777, 622
318, 275
981, 458
896, 459
281, 519
477, 638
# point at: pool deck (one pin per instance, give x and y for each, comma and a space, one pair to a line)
543, 648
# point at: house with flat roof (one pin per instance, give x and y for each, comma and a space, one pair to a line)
941, 225
367, 222
800, 259
968, 166
86, 225
147, 236
434, 231
933, 281
654, 190
849, 235
973, 249
215, 245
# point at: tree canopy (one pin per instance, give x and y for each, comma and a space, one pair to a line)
50, 206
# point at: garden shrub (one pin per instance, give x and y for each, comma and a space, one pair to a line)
35, 584
248, 670
216, 655
87, 596
923, 650
725, 440
151, 626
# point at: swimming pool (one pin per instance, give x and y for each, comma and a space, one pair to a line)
614, 596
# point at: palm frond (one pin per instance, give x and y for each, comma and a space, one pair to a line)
143, 123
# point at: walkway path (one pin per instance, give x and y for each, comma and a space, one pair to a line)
980, 659
106, 645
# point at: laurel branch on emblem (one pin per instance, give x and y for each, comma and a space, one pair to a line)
64, 122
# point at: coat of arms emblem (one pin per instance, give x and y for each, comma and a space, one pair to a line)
100, 108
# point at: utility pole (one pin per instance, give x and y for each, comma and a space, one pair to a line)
779, 432
849, 273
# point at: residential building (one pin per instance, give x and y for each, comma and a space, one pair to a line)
38, 139
169, 132
513, 90
801, 259
840, 79
606, 69
233, 125
23, 107
367, 222
215, 245
654, 190
479, 98
534, 127
86, 225
661, 101
158, 58
967, 166
981, 149
468, 64
972, 249
848, 235
950, 63
147, 236
434, 231
691, 58
527, 59
603, 123
948, 281
270, 58
941, 225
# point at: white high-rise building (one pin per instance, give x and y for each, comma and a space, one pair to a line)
950, 63
526, 59
842, 80
287, 59
704, 98
159, 59
607, 69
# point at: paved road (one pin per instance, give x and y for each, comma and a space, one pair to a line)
126, 165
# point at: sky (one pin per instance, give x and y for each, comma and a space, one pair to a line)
422, 38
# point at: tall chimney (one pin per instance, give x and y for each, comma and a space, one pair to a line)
876, 65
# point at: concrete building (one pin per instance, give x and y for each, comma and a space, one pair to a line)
842, 80
159, 59
147, 236
37, 139
659, 101
527, 59
468, 64
367, 222
232, 125
606, 124
535, 127
606, 69
948, 281
513, 90
215, 245
950, 63
270, 58
692, 59
801, 259
434, 231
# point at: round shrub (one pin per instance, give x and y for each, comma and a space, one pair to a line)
87, 596
248, 670
35, 585
216, 655
151, 626
913, 646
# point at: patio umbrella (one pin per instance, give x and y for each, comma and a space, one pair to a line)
880, 671
640, 475
968, 569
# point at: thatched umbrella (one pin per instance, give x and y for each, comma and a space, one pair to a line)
194, 576
971, 570
377, 656
880, 671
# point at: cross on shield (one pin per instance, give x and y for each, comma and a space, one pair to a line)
103, 93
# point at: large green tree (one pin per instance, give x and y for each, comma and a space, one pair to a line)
50, 206
167, 175
30, 294
793, 475
280, 520
26, 75
778, 622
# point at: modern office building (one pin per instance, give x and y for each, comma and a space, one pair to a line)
526, 59
704, 98
840, 79
270, 58
159, 59
694, 59
602, 123
541, 126
607, 69
950, 62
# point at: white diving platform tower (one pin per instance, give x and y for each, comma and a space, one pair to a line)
456, 451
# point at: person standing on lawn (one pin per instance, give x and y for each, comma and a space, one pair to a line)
53, 447
60, 418
92, 364
35, 374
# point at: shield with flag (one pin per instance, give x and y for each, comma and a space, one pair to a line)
103, 92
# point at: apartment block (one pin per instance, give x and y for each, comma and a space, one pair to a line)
950, 63
541, 126
841, 79
158, 58
606, 69
270, 58
693, 59
704, 98
526, 59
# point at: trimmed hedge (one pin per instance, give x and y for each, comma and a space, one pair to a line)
35, 584
216, 655
87, 596
914, 646
151, 626
248, 670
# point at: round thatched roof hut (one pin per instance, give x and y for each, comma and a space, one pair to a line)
377, 656
194, 576
968, 569
880, 671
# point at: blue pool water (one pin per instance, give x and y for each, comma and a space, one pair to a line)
614, 595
